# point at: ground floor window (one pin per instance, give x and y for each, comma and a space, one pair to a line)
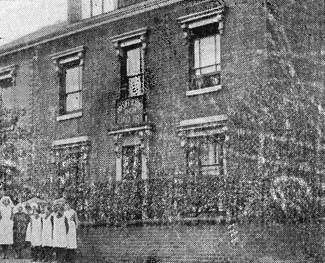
131, 162
71, 169
205, 155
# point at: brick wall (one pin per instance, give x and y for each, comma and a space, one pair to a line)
201, 242
167, 64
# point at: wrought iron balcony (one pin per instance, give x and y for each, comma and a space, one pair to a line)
130, 111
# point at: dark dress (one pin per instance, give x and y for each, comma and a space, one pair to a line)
21, 220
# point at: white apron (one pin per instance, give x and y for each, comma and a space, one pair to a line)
6, 226
47, 231
59, 232
28, 233
72, 234
36, 231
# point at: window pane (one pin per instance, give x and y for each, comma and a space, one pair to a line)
85, 9
212, 154
133, 62
197, 53
204, 154
131, 162
110, 5
135, 86
73, 101
72, 79
218, 49
97, 7
207, 51
208, 69
6, 96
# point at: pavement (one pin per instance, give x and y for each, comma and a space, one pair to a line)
17, 261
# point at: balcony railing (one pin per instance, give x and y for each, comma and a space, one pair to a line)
130, 111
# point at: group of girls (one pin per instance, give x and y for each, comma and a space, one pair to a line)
47, 229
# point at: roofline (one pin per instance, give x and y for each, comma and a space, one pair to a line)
111, 16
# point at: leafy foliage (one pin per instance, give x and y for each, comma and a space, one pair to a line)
15, 152
170, 197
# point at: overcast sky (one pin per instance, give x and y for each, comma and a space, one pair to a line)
20, 17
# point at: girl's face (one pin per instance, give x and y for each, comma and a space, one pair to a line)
47, 211
6, 202
60, 211
56, 208
66, 207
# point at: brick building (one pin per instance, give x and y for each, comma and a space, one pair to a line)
106, 108
151, 83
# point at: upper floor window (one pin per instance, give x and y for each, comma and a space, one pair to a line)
92, 8
70, 95
130, 47
132, 72
7, 81
205, 70
69, 66
203, 31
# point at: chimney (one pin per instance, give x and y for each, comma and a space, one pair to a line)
74, 11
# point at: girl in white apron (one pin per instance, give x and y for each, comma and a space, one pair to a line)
60, 231
47, 233
36, 233
72, 217
6, 224
29, 212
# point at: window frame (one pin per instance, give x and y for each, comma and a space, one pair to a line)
192, 24
63, 150
71, 58
8, 75
191, 131
217, 60
137, 154
196, 146
90, 8
125, 77
64, 94
122, 44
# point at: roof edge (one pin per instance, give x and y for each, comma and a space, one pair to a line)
93, 22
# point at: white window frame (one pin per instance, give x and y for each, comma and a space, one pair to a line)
61, 61
194, 21
8, 73
124, 42
215, 165
210, 126
131, 137
106, 6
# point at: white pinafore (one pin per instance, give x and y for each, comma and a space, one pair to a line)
47, 229
6, 226
28, 233
59, 232
72, 234
36, 231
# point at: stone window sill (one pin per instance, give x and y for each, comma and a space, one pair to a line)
203, 91
69, 116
